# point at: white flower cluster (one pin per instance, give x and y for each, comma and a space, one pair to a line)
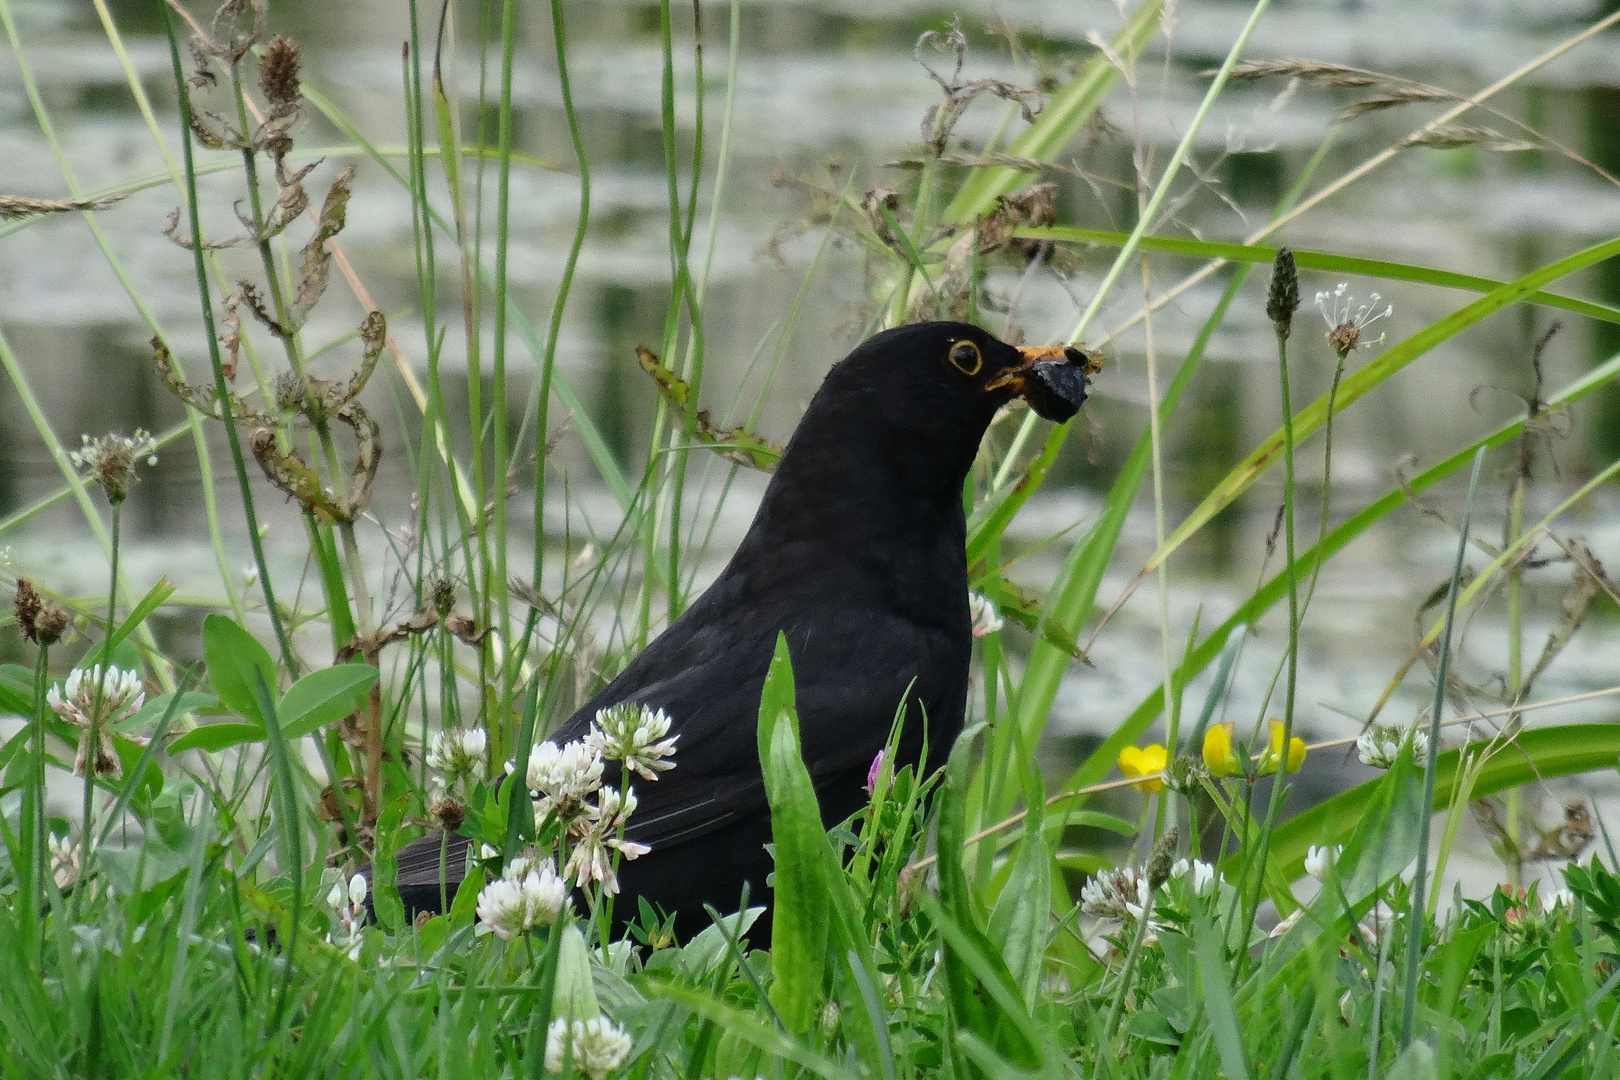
92, 698
635, 735
348, 906
1380, 745
111, 459
1119, 892
1319, 860
525, 896
986, 619
458, 754
65, 863
594, 1047
1199, 874
563, 775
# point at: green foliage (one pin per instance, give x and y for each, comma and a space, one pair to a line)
937, 932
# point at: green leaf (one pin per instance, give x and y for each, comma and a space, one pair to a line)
324, 696
216, 737
16, 689
157, 706
234, 656
154, 598
1018, 924
799, 929
1318, 260
1217, 994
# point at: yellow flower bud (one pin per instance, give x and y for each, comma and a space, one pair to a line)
1146, 761
1219, 755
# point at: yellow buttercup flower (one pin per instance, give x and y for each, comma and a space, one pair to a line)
1274, 750
1146, 761
1219, 755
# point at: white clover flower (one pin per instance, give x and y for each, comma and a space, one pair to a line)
1201, 875
635, 735
1376, 923
1321, 859
595, 1047
1380, 745
96, 700
511, 905
986, 620
348, 904
564, 774
65, 863
1119, 892
91, 695
1347, 322
458, 753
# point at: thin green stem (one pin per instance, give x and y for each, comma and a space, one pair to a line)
1420, 880
498, 391
1279, 784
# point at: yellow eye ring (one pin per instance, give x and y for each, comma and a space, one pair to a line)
966, 358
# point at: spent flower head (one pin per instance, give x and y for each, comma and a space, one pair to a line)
1347, 321
110, 461
595, 1047
636, 735
597, 835
1380, 745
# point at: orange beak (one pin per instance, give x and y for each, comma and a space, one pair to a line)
1052, 379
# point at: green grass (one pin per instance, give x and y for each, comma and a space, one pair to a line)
950, 929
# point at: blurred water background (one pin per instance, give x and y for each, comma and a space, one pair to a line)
826, 89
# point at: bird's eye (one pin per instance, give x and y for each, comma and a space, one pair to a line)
965, 357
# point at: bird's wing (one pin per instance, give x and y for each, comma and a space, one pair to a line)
850, 675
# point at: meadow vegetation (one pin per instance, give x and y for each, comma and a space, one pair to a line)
202, 914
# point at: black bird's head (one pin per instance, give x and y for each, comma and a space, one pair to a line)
918, 398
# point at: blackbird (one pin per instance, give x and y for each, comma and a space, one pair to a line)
858, 554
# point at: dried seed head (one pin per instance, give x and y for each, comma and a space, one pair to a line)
443, 591
278, 74
28, 605
1163, 858
111, 459
50, 624
1283, 299
448, 814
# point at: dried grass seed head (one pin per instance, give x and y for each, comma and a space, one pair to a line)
278, 75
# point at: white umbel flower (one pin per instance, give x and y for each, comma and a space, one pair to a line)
458, 754
1380, 745
635, 735
515, 903
595, 1047
986, 619
1320, 859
